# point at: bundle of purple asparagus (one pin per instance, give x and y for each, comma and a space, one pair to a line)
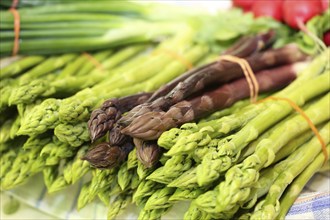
191, 96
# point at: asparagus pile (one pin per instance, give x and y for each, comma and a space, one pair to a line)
48, 96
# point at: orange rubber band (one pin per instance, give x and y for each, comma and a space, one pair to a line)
309, 121
17, 26
176, 56
94, 61
248, 73
14, 3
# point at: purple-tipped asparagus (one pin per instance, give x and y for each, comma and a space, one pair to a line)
105, 156
151, 125
147, 152
244, 47
102, 120
218, 73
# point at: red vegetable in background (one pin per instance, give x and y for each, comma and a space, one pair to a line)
326, 38
268, 8
244, 4
300, 11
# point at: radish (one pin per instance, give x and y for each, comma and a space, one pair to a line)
326, 38
272, 8
299, 12
246, 5
325, 4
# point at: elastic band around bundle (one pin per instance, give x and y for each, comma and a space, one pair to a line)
94, 61
176, 56
248, 73
309, 121
17, 25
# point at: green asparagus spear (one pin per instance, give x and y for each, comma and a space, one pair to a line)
236, 188
49, 65
6, 161
193, 213
50, 173
41, 118
83, 196
118, 205
132, 160
298, 184
77, 168
4, 130
17, 67
75, 135
124, 176
173, 168
154, 214
269, 207
146, 188
185, 194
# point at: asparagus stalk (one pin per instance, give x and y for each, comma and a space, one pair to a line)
118, 205
77, 168
173, 168
124, 176
160, 199
146, 188
147, 152
41, 118
154, 214
5, 127
263, 157
297, 185
269, 207
6, 161
74, 135
193, 213
19, 66
47, 66
185, 194
106, 156
132, 160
